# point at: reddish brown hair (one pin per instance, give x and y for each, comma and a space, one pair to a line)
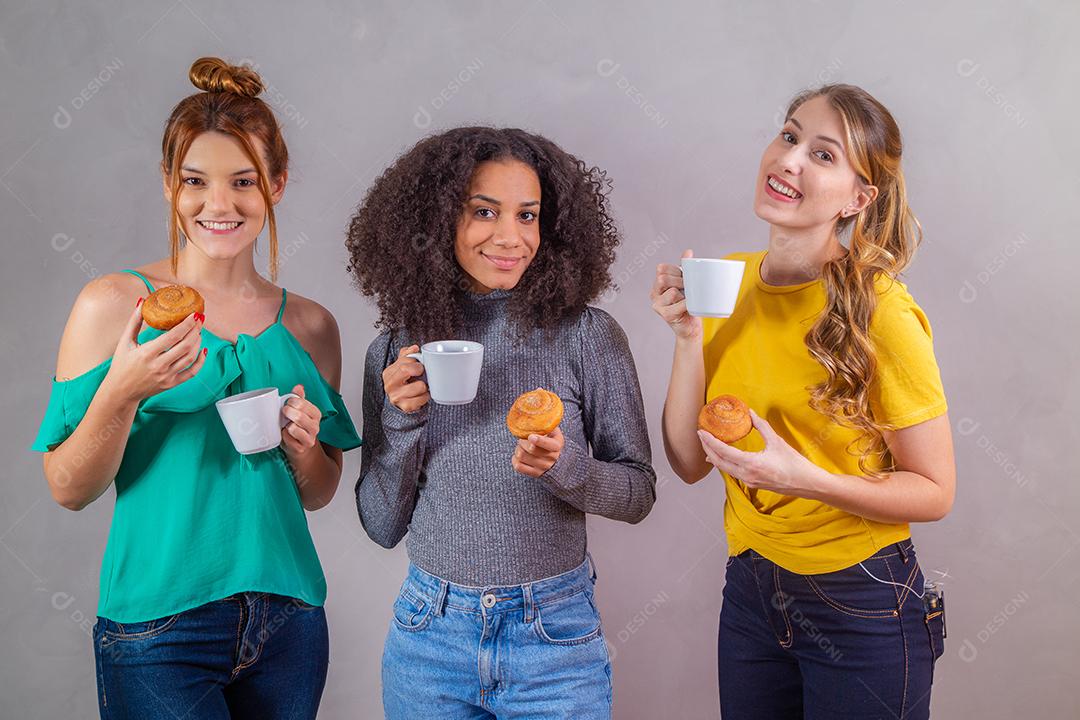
227, 104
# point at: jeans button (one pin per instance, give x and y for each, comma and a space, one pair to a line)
488, 600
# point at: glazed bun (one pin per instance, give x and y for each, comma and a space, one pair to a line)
727, 418
537, 412
211, 74
166, 307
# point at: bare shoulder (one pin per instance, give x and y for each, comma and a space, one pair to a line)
317, 330
97, 319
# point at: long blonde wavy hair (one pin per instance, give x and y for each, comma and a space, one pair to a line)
882, 239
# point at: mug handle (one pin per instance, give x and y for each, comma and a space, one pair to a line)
283, 399
419, 357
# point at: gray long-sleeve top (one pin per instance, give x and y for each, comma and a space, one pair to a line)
443, 473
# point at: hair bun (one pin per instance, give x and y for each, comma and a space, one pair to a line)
211, 74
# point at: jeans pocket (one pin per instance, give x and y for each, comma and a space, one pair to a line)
935, 625
870, 589
571, 620
130, 632
411, 612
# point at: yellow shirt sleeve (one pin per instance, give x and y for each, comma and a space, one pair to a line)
907, 388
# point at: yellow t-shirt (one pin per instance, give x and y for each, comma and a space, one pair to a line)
759, 354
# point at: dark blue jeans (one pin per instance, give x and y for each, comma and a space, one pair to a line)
836, 646
251, 655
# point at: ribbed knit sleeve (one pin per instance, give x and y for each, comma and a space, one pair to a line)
617, 479
392, 458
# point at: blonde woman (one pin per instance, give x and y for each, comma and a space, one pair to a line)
824, 611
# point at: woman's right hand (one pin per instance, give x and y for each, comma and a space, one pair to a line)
669, 302
139, 371
401, 379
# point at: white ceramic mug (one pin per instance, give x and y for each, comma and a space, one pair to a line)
711, 286
453, 370
254, 419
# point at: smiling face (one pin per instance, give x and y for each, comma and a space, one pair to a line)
805, 179
221, 209
499, 230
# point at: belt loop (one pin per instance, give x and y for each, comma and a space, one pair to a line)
592, 565
440, 597
903, 552
527, 598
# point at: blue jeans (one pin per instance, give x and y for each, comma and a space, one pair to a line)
526, 651
838, 645
251, 655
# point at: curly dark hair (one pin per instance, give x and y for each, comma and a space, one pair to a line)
401, 238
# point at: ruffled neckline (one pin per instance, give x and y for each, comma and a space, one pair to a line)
256, 336
246, 359
273, 357
149, 333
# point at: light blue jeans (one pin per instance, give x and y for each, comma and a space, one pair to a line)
525, 651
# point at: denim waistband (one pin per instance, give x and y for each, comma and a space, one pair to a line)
499, 598
904, 549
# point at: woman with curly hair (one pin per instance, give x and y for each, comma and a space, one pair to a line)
211, 588
824, 612
500, 237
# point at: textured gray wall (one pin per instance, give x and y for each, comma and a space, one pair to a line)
677, 101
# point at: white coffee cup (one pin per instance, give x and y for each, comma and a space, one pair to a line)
711, 286
453, 370
254, 419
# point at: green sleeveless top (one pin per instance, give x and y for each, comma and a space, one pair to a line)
194, 520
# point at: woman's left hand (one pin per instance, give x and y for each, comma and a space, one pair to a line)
535, 456
302, 432
779, 467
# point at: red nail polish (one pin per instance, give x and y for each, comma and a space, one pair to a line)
204, 351
138, 302
199, 317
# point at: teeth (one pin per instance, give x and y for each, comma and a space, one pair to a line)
219, 225
783, 189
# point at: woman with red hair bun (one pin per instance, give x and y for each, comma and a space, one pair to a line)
211, 590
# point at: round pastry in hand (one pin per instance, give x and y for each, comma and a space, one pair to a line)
537, 412
167, 306
726, 418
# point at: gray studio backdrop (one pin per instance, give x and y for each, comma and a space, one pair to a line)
676, 101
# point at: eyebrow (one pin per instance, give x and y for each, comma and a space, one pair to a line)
245, 171
493, 201
795, 122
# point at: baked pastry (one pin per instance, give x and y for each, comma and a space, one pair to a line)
167, 306
726, 418
537, 412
